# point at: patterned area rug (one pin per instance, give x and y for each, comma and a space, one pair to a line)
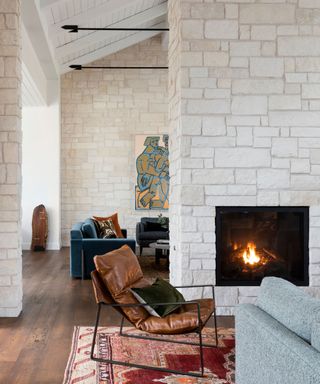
219, 362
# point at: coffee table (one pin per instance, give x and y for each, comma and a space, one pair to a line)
162, 251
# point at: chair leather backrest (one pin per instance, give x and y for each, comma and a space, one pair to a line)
119, 270
101, 292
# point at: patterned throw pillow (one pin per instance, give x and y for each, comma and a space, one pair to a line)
106, 229
115, 221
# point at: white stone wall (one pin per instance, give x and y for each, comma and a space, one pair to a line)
249, 115
10, 159
102, 111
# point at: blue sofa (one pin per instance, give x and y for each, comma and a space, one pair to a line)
85, 244
278, 340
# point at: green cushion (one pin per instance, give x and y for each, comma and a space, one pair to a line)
159, 292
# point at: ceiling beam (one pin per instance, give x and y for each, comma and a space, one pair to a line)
84, 18
31, 95
111, 48
33, 25
160, 11
49, 3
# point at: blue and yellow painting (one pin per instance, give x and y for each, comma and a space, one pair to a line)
152, 165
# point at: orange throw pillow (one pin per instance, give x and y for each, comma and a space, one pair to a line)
114, 219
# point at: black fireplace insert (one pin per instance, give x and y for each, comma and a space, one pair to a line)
254, 242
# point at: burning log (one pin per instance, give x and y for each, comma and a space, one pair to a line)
270, 254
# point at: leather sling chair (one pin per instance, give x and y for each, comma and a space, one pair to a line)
119, 270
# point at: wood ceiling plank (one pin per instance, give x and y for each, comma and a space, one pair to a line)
93, 13
48, 3
134, 21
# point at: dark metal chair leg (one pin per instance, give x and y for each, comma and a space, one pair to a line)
95, 332
126, 364
201, 352
215, 328
141, 249
121, 326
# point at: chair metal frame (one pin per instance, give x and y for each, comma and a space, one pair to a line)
199, 329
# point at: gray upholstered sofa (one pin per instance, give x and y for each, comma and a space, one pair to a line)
278, 340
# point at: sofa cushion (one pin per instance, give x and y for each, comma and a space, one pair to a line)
315, 335
151, 226
119, 270
154, 235
145, 219
88, 229
114, 219
290, 305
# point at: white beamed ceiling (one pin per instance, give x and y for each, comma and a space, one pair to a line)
87, 46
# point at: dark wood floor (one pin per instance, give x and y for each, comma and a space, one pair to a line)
34, 348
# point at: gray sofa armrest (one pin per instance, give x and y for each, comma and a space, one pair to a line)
268, 352
139, 229
290, 305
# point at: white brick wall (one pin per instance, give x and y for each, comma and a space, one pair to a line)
244, 113
102, 111
10, 160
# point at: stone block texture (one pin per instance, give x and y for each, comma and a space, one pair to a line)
10, 159
244, 102
102, 112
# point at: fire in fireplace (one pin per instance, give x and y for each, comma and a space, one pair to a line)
254, 242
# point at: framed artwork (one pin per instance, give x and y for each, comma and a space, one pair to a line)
152, 171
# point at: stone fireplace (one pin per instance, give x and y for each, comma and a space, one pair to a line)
244, 91
254, 242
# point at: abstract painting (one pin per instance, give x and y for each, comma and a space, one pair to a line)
152, 168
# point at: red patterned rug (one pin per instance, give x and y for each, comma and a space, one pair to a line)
219, 362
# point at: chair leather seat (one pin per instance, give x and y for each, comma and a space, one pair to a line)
183, 321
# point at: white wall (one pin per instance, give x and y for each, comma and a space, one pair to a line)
41, 169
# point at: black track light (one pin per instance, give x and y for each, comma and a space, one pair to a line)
79, 67
76, 28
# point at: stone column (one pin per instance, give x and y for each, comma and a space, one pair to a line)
10, 158
191, 222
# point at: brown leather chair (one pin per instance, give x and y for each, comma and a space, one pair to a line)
119, 270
